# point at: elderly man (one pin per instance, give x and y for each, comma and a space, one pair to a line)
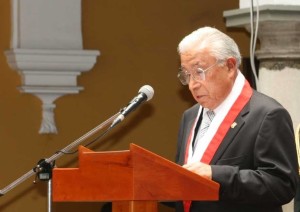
234, 135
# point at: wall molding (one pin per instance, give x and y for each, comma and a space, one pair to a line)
46, 50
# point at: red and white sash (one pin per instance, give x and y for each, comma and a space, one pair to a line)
219, 131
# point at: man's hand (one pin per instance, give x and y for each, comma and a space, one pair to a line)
199, 168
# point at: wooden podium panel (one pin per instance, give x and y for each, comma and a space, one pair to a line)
134, 206
133, 176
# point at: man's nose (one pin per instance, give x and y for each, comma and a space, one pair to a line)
193, 83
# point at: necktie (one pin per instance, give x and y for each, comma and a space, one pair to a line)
206, 121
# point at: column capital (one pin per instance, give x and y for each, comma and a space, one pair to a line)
267, 13
279, 31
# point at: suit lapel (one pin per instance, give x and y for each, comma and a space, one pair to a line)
191, 117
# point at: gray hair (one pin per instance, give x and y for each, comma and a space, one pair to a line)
220, 45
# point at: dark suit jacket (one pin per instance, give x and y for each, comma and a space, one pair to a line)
256, 164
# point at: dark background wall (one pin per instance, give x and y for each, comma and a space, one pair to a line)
138, 41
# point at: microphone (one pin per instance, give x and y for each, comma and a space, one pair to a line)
145, 93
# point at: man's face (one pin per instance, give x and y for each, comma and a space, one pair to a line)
219, 79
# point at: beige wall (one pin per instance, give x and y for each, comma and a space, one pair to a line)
138, 41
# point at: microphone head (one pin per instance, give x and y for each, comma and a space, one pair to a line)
148, 91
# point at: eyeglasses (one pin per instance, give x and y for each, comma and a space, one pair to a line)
198, 74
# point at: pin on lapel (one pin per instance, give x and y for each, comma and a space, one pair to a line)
233, 125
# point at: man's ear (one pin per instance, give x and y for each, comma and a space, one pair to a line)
232, 67
231, 63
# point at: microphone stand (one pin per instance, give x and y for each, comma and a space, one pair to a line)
43, 169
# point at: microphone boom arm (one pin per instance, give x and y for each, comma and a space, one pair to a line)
58, 154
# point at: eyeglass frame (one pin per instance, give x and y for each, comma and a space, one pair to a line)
183, 74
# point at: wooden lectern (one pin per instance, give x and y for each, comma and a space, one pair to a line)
134, 180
